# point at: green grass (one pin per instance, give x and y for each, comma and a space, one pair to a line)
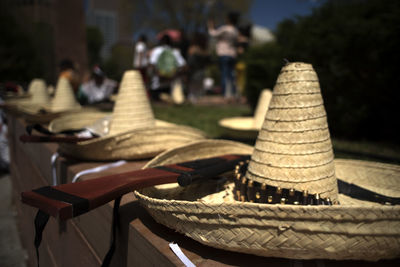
201, 117
206, 118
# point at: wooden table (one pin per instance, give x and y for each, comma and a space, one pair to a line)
83, 241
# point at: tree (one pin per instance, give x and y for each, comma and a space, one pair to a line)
189, 15
353, 46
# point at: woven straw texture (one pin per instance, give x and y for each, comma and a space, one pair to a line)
353, 230
248, 127
132, 109
293, 148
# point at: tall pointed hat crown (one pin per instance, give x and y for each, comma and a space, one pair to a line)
132, 108
293, 148
64, 98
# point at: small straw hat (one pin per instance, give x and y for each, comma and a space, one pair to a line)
133, 131
43, 111
293, 151
248, 127
36, 95
38, 91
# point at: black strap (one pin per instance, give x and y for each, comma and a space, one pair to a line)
43, 130
39, 128
115, 225
41, 220
358, 192
79, 205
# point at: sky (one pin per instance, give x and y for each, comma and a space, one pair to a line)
269, 13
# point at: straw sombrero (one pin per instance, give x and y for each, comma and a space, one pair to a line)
292, 162
41, 108
248, 127
132, 131
36, 95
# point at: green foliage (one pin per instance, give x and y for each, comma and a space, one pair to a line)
263, 65
201, 117
94, 42
353, 46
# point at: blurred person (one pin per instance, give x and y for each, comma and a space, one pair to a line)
183, 44
240, 66
198, 59
166, 64
4, 150
68, 70
140, 59
98, 89
226, 39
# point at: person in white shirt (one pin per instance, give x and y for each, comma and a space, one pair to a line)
98, 89
226, 37
141, 58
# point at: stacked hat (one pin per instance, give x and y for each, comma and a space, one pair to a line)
133, 133
64, 97
287, 204
248, 127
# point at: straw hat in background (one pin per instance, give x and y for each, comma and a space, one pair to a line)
292, 161
248, 127
133, 132
36, 94
63, 101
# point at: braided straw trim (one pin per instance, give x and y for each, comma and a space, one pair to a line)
298, 126
284, 160
297, 76
296, 114
300, 87
298, 100
294, 149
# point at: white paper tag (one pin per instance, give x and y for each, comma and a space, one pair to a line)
53, 162
178, 252
98, 169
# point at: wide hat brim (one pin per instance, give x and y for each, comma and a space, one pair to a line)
239, 127
135, 144
353, 230
78, 121
46, 116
